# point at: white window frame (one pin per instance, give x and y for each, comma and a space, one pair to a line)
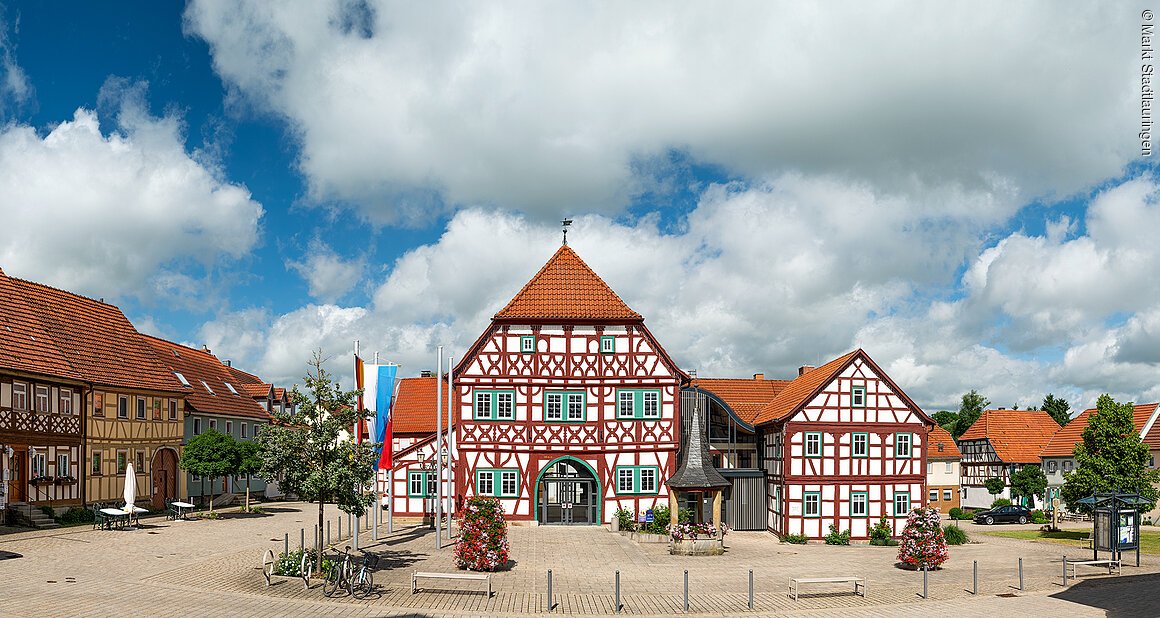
624, 398
859, 498
607, 344
650, 404
505, 401
196, 426
906, 507
64, 405
243, 430
554, 406
230, 427
858, 397
181, 378
528, 344
817, 435
19, 396
203, 383
37, 464
623, 476
172, 409
62, 470
509, 478
950, 466
864, 442
899, 441
213, 424
934, 495
42, 394
816, 501
123, 407
947, 495
142, 410
576, 406
648, 480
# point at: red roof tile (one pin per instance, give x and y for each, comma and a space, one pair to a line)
566, 288
205, 372
95, 339
746, 397
798, 392
940, 445
1064, 441
1018, 436
25, 345
413, 410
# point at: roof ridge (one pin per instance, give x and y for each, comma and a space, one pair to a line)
612, 304
100, 301
789, 398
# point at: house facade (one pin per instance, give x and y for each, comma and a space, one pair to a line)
844, 445
997, 446
566, 407
942, 470
214, 399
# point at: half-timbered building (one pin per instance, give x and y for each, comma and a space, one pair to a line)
844, 445
566, 407
997, 446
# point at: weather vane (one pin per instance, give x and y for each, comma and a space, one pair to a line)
566, 223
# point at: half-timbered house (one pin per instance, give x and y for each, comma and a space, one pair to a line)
997, 446
843, 445
212, 401
566, 407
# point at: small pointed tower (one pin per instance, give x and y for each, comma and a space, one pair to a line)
697, 474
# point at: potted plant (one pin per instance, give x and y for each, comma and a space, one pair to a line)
66, 480
705, 539
42, 480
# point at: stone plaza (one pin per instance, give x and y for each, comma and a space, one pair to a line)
213, 568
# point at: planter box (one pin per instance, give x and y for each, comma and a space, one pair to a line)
644, 537
697, 547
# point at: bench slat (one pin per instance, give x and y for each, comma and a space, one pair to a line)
826, 580
475, 576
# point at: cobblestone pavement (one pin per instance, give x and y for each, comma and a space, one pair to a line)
212, 568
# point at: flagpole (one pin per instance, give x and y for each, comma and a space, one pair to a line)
357, 432
450, 389
439, 450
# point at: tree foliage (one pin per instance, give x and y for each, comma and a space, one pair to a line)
946, 419
1058, 408
994, 485
305, 452
970, 410
212, 454
1029, 482
1111, 457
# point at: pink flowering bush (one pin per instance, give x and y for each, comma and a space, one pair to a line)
483, 543
693, 531
922, 543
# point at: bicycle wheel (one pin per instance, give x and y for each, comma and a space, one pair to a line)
364, 583
333, 575
348, 575
305, 567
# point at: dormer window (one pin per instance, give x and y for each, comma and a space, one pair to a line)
528, 344
182, 379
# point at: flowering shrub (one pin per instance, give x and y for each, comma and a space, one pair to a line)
684, 531
923, 543
881, 533
837, 538
483, 543
625, 519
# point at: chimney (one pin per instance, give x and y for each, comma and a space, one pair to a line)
804, 369
229, 363
759, 376
205, 348
425, 373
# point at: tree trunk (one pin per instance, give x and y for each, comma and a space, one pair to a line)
211, 494
247, 493
321, 506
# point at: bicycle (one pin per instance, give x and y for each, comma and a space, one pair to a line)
339, 574
363, 581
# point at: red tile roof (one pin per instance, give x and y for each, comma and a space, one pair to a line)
940, 445
1063, 443
205, 372
798, 392
566, 288
25, 345
414, 406
746, 397
94, 338
1018, 436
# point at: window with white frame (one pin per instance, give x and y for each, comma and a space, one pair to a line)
499, 482
638, 404
19, 396
64, 406
554, 407
901, 504
39, 464
946, 495
929, 467
213, 424
648, 480
813, 444
420, 484
197, 426
575, 406
607, 345
62, 465
1052, 466
949, 467
624, 480
243, 430
181, 378
508, 482
934, 495
494, 405
812, 504
207, 388
230, 387
42, 399
624, 404
637, 479
140, 408
230, 427
527, 344
485, 483
123, 406
859, 504
860, 445
172, 409
902, 445
858, 396
652, 404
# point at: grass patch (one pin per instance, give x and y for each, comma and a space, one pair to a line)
1149, 539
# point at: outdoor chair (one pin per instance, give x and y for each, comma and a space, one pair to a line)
171, 512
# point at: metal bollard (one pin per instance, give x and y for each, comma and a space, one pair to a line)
314, 544
551, 605
686, 590
285, 543
1065, 569
328, 543
618, 591
750, 588
349, 522
301, 539
925, 587
339, 518
1021, 574
974, 577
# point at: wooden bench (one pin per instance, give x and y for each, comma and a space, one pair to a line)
1111, 565
1086, 540
415, 575
795, 584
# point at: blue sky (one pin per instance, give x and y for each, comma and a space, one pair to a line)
969, 206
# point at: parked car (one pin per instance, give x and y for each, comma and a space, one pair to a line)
1004, 514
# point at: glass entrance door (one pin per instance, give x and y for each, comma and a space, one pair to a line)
568, 495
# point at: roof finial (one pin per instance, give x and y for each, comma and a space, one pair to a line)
566, 222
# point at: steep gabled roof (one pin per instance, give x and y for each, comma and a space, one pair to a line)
798, 392
1018, 436
746, 397
205, 372
566, 289
413, 410
25, 344
95, 339
1064, 441
940, 445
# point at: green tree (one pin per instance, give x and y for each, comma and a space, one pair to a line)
994, 485
970, 410
212, 454
303, 451
946, 419
1111, 457
1058, 408
249, 464
1029, 482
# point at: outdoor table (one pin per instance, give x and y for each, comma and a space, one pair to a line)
183, 508
120, 518
131, 512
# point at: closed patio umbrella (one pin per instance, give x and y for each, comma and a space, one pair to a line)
130, 487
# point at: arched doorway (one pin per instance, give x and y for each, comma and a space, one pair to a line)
164, 468
567, 493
